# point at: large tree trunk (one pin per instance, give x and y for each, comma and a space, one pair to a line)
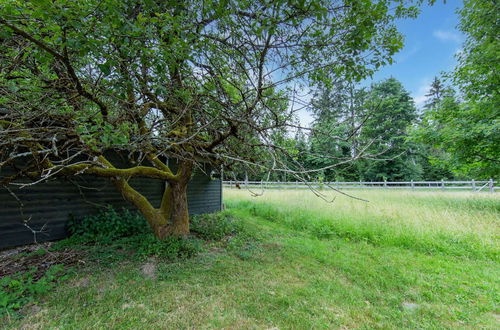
176, 213
173, 211
172, 218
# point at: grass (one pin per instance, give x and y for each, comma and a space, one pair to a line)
403, 260
458, 223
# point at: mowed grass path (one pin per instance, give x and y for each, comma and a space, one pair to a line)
403, 260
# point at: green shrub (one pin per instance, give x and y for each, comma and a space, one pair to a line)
108, 225
119, 235
214, 226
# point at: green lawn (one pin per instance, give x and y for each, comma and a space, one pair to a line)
402, 260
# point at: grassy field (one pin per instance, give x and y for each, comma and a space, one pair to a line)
401, 260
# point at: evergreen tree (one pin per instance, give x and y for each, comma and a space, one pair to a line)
435, 94
390, 155
371, 127
433, 158
339, 113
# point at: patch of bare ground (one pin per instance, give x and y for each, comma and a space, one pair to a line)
149, 269
39, 256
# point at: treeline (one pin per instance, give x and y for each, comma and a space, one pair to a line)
374, 134
370, 134
377, 133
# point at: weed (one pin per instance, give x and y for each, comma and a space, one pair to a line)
22, 288
171, 248
214, 226
107, 225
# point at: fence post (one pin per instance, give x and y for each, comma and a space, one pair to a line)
385, 183
492, 189
412, 185
221, 187
442, 184
473, 185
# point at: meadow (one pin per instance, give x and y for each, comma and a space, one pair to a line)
402, 260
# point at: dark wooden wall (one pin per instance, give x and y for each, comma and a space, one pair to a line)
49, 205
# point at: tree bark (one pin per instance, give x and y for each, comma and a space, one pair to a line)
177, 212
174, 206
172, 218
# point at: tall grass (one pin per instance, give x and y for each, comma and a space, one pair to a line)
455, 223
404, 260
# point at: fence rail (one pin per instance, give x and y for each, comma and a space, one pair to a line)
472, 185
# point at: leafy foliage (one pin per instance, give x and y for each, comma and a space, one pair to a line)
108, 225
213, 226
110, 230
22, 288
468, 130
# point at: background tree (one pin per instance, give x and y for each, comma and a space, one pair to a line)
426, 134
199, 81
468, 129
339, 111
386, 130
436, 93
367, 132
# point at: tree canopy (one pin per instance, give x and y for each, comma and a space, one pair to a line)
197, 81
371, 126
466, 126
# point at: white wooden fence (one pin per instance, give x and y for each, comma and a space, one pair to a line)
472, 185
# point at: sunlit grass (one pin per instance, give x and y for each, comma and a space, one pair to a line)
405, 260
460, 223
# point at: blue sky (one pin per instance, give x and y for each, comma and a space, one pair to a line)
431, 42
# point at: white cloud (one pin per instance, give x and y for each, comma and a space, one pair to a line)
419, 96
402, 57
446, 35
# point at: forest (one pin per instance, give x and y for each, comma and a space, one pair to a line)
376, 132
379, 134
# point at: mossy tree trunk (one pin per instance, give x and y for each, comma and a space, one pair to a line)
172, 217
174, 205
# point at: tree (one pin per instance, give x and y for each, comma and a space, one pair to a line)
340, 112
368, 132
466, 127
202, 82
474, 128
435, 94
386, 129
425, 135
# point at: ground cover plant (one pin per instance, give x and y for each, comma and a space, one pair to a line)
28, 272
403, 260
103, 239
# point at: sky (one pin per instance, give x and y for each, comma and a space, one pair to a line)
431, 42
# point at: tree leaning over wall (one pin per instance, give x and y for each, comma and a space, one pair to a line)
199, 81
